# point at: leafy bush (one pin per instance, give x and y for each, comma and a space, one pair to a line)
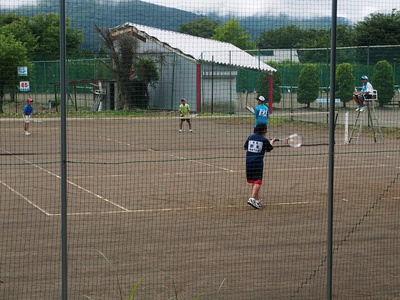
308, 88
382, 81
345, 82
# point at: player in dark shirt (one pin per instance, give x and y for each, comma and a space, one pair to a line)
256, 145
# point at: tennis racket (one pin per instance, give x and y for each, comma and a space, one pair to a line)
294, 140
188, 117
249, 108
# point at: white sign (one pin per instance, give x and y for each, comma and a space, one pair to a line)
24, 86
22, 71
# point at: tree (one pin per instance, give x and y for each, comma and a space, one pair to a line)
308, 88
8, 18
201, 27
345, 83
380, 29
231, 32
41, 35
318, 39
19, 28
133, 90
382, 81
277, 81
313, 38
345, 36
146, 74
121, 62
47, 29
281, 38
12, 54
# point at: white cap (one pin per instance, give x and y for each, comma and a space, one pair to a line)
261, 98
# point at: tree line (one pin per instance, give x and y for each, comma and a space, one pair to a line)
375, 29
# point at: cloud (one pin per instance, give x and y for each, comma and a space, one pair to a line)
353, 10
10, 4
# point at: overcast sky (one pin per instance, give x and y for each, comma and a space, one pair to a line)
354, 10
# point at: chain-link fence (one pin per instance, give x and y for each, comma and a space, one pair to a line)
119, 201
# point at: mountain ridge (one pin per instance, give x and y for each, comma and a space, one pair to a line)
84, 16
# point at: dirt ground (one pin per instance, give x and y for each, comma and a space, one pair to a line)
172, 207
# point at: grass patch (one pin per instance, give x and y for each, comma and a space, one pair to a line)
138, 282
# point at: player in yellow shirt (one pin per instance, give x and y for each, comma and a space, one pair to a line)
184, 111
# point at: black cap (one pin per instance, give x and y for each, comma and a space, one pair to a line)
260, 127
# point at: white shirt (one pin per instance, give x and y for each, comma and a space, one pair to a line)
367, 87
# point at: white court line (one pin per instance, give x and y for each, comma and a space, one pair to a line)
174, 156
25, 198
72, 183
242, 170
393, 198
115, 141
179, 209
271, 169
102, 176
238, 171
186, 208
336, 167
125, 210
204, 172
204, 164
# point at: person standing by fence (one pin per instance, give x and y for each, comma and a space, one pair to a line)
28, 111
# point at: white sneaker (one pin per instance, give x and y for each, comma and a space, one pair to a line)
254, 203
180, 130
357, 109
190, 130
362, 108
27, 133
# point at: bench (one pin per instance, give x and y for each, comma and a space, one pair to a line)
322, 101
394, 102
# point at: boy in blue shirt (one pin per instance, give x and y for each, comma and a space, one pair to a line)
28, 111
261, 111
365, 93
256, 145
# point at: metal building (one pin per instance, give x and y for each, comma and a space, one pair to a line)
203, 71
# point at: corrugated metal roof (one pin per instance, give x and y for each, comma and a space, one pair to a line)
199, 48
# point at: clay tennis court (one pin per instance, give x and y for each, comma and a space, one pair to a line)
172, 207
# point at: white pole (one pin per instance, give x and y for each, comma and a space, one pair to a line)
346, 128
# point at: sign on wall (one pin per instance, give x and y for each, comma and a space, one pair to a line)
22, 71
24, 86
